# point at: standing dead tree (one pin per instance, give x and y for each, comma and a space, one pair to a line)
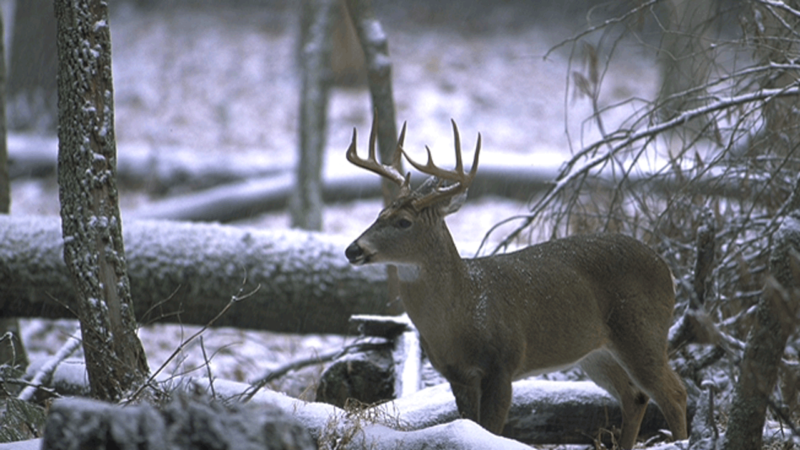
306, 200
91, 224
375, 45
12, 351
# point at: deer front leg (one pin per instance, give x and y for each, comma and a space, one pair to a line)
484, 400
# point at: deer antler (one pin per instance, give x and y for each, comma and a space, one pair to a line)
461, 181
372, 164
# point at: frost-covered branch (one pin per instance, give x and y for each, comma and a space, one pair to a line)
48, 368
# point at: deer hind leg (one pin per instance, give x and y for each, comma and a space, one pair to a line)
655, 377
606, 372
468, 397
495, 400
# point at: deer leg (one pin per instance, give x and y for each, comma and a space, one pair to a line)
468, 398
666, 388
495, 400
607, 373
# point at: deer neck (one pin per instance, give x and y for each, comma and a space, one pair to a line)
432, 286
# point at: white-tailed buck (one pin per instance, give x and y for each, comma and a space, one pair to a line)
602, 301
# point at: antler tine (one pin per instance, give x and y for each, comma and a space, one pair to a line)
461, 181
457, 138
456, 175
371, 163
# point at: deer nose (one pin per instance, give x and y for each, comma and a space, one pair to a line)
354, 253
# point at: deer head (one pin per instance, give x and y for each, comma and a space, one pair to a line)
407, 223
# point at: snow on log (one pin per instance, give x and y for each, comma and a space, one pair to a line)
542, 412
161, 169
289, 281
244, 199
184, 423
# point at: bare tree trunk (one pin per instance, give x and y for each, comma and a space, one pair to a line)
686, 57
92, 228
306, 201
12, 352
32, 79
379, 73
5, 180
776, 320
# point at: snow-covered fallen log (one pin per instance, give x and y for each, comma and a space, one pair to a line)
184, 423
289, 281
542, 412
236, 201
159, 169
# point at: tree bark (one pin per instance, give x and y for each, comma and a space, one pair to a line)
5, 180
379, 73
306, 200
92, 228
34, 64
367, 377
187, 273
12, 352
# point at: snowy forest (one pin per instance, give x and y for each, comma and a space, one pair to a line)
183, 185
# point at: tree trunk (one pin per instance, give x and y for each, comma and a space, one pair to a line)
685, 57
5, 180
12, 352
306, 203
187, 273
93, 249
34, 64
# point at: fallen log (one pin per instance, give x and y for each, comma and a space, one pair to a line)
244, 199
159, 169
542, 412
185, 423
288, 281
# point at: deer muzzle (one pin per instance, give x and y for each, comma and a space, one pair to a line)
356, 255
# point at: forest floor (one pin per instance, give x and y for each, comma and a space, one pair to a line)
220, 80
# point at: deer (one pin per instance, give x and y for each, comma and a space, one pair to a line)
602, 301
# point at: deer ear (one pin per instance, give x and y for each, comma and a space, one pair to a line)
454, 204
446, 206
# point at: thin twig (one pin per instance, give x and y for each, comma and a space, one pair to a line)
46, 371
234, 299
304, 362
207, 364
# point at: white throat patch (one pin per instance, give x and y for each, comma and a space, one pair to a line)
407, 272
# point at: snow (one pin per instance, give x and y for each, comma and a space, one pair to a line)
217, 81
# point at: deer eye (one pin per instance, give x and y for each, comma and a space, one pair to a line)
403, 223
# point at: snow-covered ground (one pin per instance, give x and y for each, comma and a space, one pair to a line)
220, 80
